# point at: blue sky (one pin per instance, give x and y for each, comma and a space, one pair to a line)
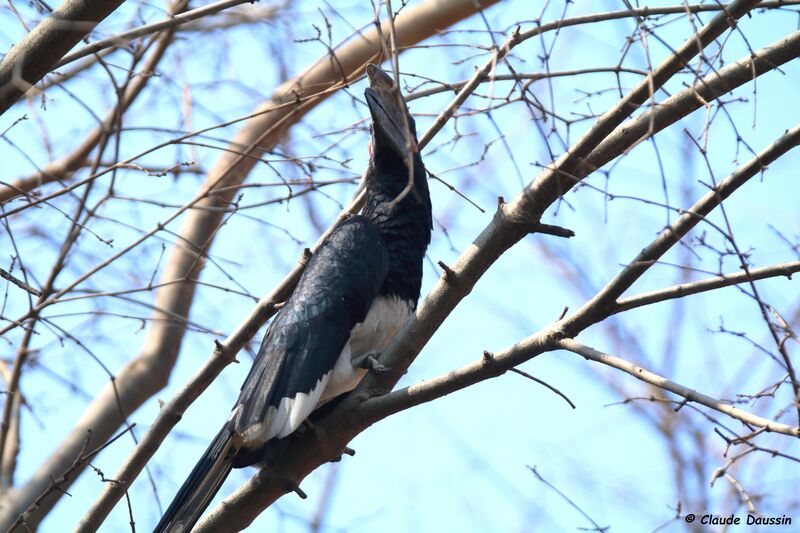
461, 462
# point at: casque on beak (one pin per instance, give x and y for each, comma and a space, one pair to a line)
389, 129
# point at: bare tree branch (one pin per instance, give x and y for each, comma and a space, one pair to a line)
509, 225
361, 409
57, 484
59, 169
33, 57
63, 167
149, 371
19, 283
595, 310
688, 394
603, 303
169, 23
696, 287
123, 249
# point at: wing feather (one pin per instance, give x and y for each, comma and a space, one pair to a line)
305, 338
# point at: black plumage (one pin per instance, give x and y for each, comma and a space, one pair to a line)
406, 225
305, 339
355, 293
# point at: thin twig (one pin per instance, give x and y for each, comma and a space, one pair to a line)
696, 287
568, 500
688, 394
543, 383
19, 283
168, 23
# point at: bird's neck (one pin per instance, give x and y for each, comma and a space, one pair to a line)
405, 226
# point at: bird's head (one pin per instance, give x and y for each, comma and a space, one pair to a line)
394, 159
400, 209
393, 129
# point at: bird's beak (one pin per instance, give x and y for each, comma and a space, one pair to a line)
390, 124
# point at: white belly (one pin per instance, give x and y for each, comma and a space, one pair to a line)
383, 320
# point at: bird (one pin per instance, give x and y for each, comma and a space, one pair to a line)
356, 292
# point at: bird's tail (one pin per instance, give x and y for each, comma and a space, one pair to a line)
200, 487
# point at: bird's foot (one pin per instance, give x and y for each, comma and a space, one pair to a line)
369, 361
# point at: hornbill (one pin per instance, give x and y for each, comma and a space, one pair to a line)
355, 293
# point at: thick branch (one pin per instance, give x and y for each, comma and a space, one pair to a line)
515, 220
602, 305
36, 54
361, 410
493, 365
130, 93
148, 372
509, 225
63, 167
58, 170
168, 23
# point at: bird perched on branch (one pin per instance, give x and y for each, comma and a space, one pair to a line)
355, 293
